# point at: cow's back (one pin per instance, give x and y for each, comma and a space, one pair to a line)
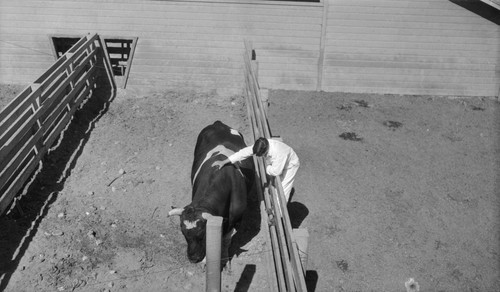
212, 136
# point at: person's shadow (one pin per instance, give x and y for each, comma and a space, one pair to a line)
296, 211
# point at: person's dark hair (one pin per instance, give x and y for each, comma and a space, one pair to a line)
261, 146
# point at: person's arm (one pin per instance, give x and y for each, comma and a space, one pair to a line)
238, 156
276, 165
220, 163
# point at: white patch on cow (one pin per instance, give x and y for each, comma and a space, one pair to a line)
234, 132
219, 149
190, 224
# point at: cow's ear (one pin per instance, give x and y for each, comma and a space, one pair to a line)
176, 211
206, 215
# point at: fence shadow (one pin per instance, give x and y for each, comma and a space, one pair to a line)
19, 226
246, 278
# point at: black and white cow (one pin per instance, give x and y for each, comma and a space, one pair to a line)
215, 192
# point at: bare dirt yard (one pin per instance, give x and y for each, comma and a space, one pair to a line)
390, 188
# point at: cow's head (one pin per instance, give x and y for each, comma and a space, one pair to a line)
193, 227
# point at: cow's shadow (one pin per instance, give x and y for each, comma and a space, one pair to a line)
249, 226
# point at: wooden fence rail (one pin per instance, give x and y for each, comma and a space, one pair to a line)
34, 119
289, 271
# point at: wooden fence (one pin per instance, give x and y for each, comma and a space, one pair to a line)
34, 119
289, 271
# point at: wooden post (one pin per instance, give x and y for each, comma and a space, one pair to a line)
35, 87
107, 63
322, 43
264, 98
213, 245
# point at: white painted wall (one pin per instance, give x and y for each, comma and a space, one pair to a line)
380, 46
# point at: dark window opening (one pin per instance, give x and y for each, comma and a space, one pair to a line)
61, 44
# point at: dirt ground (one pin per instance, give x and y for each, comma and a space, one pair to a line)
390, 188
397, 187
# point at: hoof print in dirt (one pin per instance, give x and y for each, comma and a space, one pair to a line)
476, 108
361, 103
345, 107
392, 124
342, 265
350, 136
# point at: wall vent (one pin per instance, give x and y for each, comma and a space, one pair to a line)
121, 52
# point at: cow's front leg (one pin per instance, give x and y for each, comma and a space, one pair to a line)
204, 264
226, 243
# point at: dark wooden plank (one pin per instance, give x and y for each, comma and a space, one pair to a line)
17, 184
129, 62
57, 92
16, 115
17, 130
15, 105
54, 71
66, 117
19, 160
10, 150
59, 81
53, 68
21, 123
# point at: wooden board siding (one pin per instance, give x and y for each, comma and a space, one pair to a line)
379, 46
410, 47
189, 44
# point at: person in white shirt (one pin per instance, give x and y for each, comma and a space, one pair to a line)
280, 159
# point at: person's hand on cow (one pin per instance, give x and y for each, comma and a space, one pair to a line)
220, 163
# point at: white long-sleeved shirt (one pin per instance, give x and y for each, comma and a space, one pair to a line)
278, 156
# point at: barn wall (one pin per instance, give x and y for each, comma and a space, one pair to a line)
410, 47
379, 46
187, 44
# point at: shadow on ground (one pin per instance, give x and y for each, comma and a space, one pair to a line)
249, 226
297, 212
20, 225
311, 280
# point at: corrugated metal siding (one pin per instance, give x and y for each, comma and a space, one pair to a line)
410, 47
196, 45
380, 46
